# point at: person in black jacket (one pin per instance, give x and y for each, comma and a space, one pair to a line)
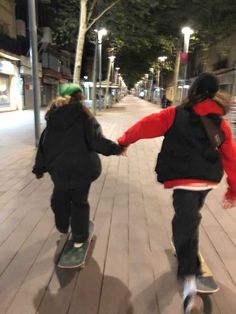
68, 151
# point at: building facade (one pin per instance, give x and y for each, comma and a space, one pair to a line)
16, 89
219, 58
10, 80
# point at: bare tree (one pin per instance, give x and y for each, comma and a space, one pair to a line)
86, 22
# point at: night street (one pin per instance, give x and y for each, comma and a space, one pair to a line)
117, 157
130, 268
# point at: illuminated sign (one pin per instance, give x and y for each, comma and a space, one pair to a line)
7, 67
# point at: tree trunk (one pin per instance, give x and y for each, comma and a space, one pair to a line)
80, 40
176, 76
83, 27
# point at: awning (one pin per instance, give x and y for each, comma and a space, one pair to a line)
6, 55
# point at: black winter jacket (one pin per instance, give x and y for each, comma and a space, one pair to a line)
186, 151
69, 145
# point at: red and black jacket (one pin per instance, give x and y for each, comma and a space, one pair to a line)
161, 124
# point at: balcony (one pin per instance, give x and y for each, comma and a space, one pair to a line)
9, 44
19, 46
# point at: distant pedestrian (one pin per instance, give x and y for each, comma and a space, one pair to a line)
165, 102
68, 151
192, 166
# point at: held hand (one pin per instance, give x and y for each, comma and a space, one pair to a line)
39, 175
228, 203
124, 151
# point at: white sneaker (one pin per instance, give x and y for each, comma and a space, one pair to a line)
193, 304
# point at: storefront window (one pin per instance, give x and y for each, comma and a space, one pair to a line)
4, 91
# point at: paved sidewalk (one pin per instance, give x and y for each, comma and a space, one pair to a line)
131, 269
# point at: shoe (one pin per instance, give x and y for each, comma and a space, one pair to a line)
73, 257
193, 304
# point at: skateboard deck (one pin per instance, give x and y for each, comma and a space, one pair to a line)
205, 282
72, 257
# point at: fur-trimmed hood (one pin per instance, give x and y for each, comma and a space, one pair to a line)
63, 117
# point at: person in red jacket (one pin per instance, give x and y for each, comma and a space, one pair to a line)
190, 165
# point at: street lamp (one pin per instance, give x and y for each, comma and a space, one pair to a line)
187, 31
100, 33
110, 67
116, 83
34, 66
151, 70
145, 85
116, 75
161, 59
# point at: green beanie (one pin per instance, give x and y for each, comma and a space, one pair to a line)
69, 89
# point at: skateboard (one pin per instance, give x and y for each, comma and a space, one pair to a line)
205, 282
72, 257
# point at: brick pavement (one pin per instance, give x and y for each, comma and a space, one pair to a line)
131, 269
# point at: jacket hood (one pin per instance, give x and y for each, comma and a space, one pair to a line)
208, 106
63, 117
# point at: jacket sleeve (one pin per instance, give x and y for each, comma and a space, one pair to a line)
228, 154
153, 125
39, 167
97, 141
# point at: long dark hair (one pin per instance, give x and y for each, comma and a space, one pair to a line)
75, 99
204, 86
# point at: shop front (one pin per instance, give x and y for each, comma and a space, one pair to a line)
9, 86
4, 91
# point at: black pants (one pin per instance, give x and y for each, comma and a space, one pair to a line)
185, 227
71, 208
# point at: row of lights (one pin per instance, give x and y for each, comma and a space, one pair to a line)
110, 73
187, 32
100, 33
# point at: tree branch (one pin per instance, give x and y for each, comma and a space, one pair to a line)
101, 14
91, 9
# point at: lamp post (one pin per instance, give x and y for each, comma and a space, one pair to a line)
151, 70
116, 75
161, 59
110, 66
116, 82
34, 64
94, 96
100, 33
187, 31
145, 85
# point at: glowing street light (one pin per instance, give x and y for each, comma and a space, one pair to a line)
116, 75
100, 33
187, 31
110, 67
161, 59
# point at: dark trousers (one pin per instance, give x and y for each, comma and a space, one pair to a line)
185, 228
71, 208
